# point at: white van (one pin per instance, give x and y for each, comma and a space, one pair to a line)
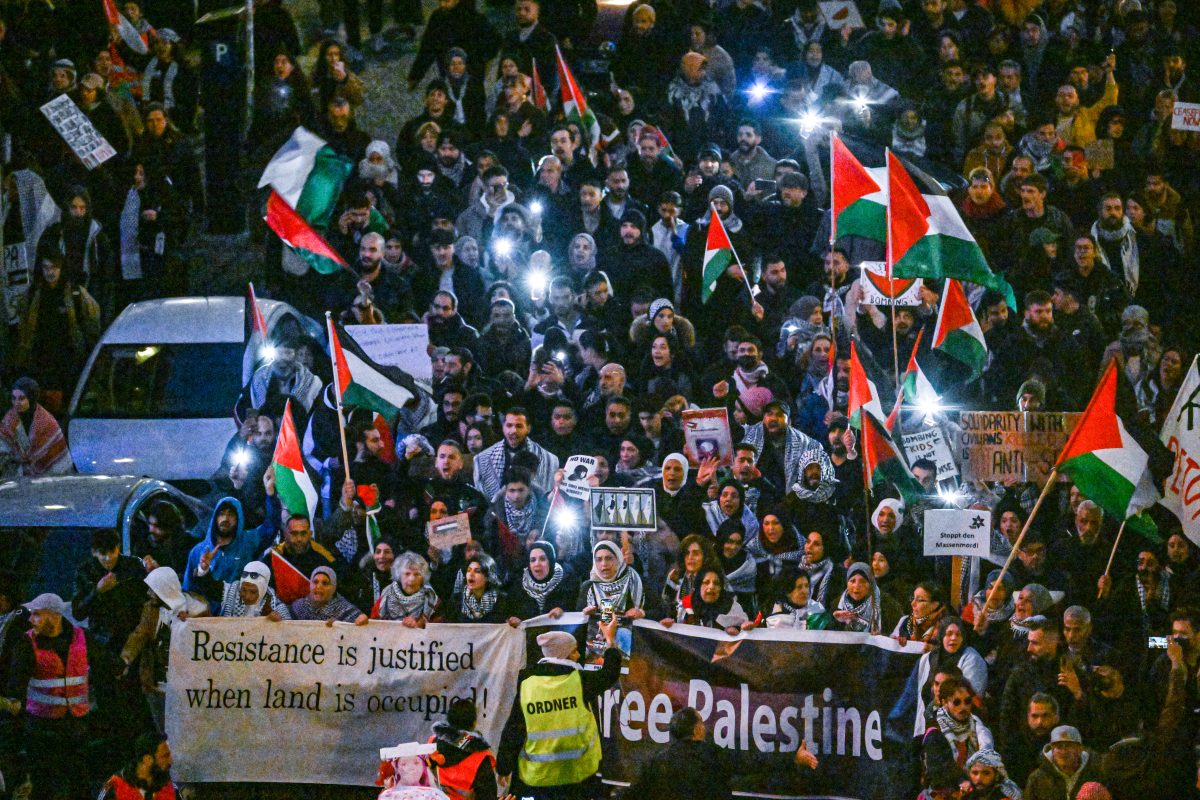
157, 394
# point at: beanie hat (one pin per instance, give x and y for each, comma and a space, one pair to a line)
722, 192
635, 218
657, 306
557, 644
755, 400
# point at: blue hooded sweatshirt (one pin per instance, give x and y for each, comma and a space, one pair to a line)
230, 559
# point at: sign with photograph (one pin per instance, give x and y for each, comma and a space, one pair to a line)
706, 435
576, 472
448, 531
614, 509
78, 131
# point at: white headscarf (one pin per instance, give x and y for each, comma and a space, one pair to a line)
895, 505
257, 574
165, 584
683, 462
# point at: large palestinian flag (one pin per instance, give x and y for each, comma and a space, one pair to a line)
883, 463
927, 237
1105, 462
858, 195
957, 333
306, 177
293, 485
863, 394
363, 383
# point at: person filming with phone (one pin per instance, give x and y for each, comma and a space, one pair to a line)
550, 748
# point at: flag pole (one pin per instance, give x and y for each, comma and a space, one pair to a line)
1050, 479
1113, 554
732, 249
832, 205
337, 393
891, 277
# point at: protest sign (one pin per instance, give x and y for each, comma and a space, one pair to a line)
1181, 435
576, 472
706, 434
765, 692
878, 290
1012, 445
930, 442
16, 277
1185, 116
958, 532
238, 688
403, 346
448, 531
622, 510
840, 14
78, 131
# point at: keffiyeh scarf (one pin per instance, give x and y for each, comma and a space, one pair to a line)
395, 604
478, 608
539, 589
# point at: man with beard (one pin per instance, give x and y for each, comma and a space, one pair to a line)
1076, 193
356, 220
450, 407
839, 279
147, 775
279, 380
1038, 345
575, 165
1119, 246
618, 425
1101, 291
493, 463
564, 312
451, 161
776, 296
447, 273
616, 196
847, 469
1023, 746
225, 551
447, 328
783, 452
1139, 604
759, 491
390, 293
634, 262
1076, 124
298, 546
1012, 243
1036, 672
85, 249
788, 223
447, 485
651, 175
751, 162
504, 345
341, 132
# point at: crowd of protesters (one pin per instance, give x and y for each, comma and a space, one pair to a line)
560, 280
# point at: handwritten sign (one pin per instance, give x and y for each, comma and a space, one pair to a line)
449, 531
1012, 445
78, 131
706, 434
1186, 117
576, 472
403, 346
879, 290
958, 532
840, 14
1181, 435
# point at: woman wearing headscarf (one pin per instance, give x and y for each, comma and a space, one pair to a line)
794, 606
480, 599
513, 521
740, 568
612, 583
379, 176
730, 504
409, 597
951, 650
581, 255
374, 573
825, 572
988, 613
31, 441
861, 608
676, 500
251, 595
323, 601
544, 587
887, 579
633, 466
776, 545
888, 520
989, 779
928, 606
696, 553
712, 605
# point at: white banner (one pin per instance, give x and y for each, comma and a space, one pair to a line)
403, 346
879, 290
1181, 435
958, 532
240, 691
1185, 116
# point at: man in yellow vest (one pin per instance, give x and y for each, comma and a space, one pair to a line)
551, 740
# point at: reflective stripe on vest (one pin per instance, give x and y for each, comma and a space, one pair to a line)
458, 781
54, 688
562, 743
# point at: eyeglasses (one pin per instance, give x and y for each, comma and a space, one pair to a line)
959, 702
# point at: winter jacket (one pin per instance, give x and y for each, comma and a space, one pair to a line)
1048, 782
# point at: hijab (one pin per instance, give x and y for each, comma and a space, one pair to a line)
258, 575
895, 505
590, 263
536, 589
727, 529
624, 590
868, 610
1005, 612
683, 462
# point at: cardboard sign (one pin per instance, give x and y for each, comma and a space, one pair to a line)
878, 290
576, 472
622, 509
403, 346
706, 434
931, 443
958, 532
1011, 445
1185, 116
448, 531
15, 277
78, 132
840, 14
1181, 435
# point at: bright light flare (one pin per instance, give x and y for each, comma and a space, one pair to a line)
758, 92
536, 208
930, 407
809, 122
537, 280
502, 247
241, 457
565, 519
952, 496
268, 352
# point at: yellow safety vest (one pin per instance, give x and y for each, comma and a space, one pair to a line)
562, 744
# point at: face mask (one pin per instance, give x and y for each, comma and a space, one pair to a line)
747, 362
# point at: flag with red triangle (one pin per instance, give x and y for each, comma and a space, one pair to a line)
827, 388
254, 334
364, 383
858, 196
132, 38
575, 108
863, 394
290, 583
915, 389
665, 151
718, 255
297, 234
957, 333
293, 485
927, 237
540, 100
1107, 465
883, 463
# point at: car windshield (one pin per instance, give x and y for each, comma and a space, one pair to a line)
163, 381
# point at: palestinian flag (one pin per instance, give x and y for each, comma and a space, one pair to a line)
863, 394
1107, 465
927, 237
575, 108
363, 383
858, 196
718, 255
883, 463
293, 485
306, 177
666, 152
290, 583
915, 389
130, 36
254, 334
957, 333
539, 91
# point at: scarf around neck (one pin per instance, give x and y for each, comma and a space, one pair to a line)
538, 590
478, 608
395, 604
1126, 236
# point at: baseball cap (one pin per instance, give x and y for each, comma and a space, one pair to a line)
1065, 733
47, 602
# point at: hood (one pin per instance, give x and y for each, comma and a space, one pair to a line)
210, 538
165, 584
1085, 756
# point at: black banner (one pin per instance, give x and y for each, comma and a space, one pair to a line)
765, 692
